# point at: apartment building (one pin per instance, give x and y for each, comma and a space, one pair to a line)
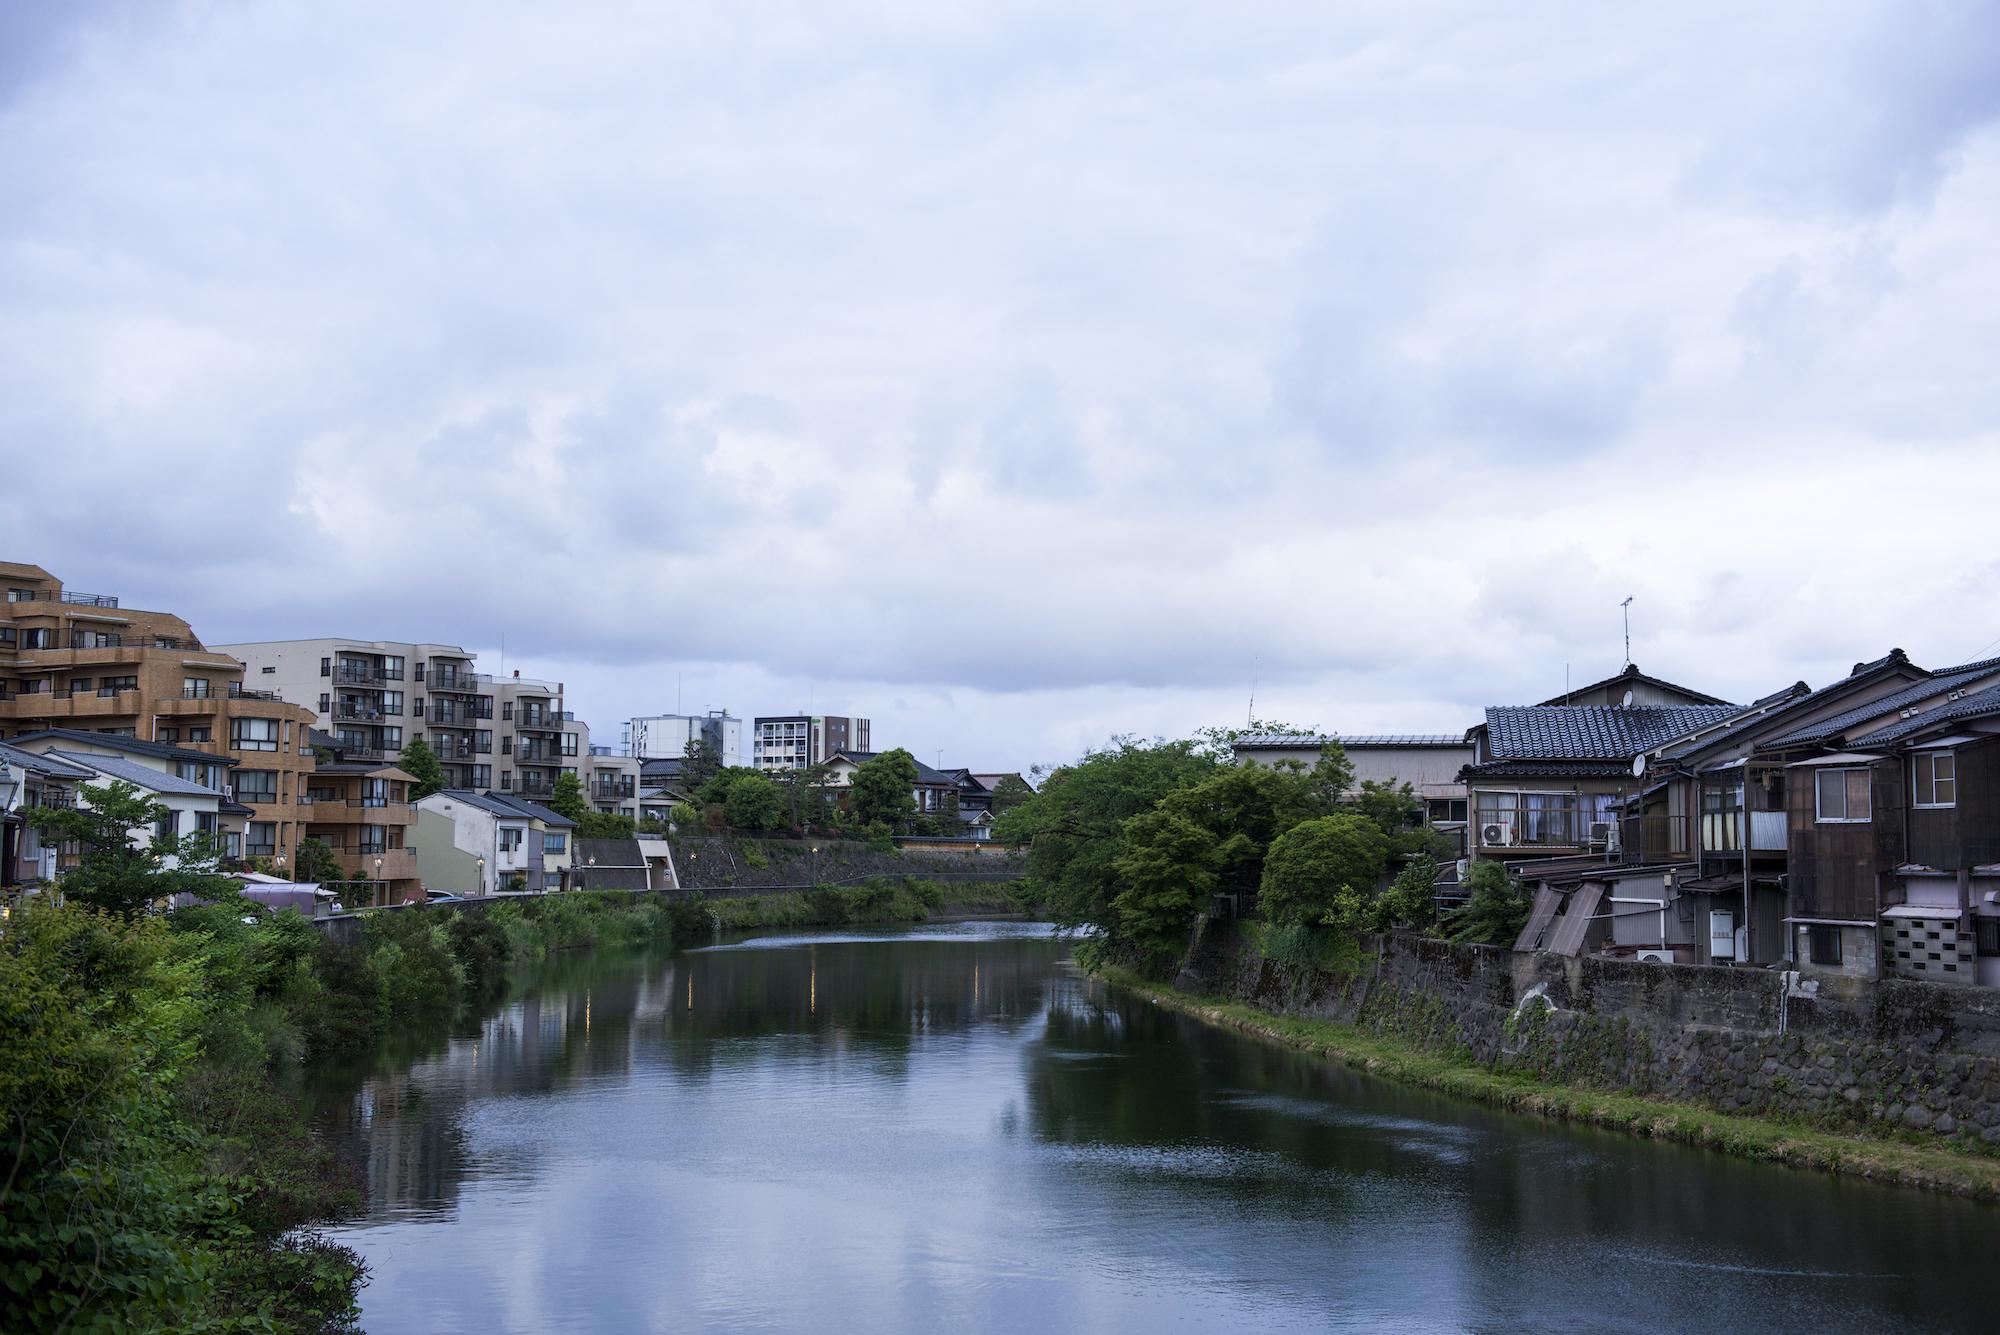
509, 733
85, 662
795, 741
360, 808
666, 736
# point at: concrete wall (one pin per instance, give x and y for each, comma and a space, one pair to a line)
1923, 1057
718, 866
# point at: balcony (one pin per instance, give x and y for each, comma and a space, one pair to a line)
358, 674
398, 864
95, 639
237, 692
1654, 839
539, 722
360, 750
612, 792
1722, 832
458, 683
363, 713
73, 599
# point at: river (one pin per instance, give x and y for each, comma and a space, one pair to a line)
950, 1128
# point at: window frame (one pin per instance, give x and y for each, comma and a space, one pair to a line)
1846, 806
1920, 781
1822, 940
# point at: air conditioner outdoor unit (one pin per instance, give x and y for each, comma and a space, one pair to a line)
1603, 832
1656, 957
1497, 833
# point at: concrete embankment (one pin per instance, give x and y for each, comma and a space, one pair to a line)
718, 866
1884, 1079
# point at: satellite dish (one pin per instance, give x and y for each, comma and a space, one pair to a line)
1638, 767
1628, 699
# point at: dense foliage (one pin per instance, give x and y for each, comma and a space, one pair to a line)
883, 790
1136, 841
1496, 909
159, 1177
122, 870
421, 764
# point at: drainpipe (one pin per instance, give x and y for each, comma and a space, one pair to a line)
1743, 837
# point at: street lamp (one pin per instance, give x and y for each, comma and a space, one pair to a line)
815, 853
482, 875
378, 882
280, 864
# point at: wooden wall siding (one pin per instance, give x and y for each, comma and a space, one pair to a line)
1836, 868
1967, 835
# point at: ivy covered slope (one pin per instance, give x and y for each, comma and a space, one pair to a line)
1135, 841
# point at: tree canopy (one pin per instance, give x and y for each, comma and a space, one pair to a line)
421, 764
127, 861
1316, 863
884, 788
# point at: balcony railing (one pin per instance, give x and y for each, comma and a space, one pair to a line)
237, 692
352, 674
539, 722
1654, 839
95, 639
537, 756
612, 791
74, 599
364, 713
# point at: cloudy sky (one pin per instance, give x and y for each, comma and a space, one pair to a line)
1017, 375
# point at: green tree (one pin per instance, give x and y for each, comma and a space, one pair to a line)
421, 763
805, 794
884, 789
1010, 792
1073, 821
126, 861
1312, 865
566, 798
753, 802
1168, 867
606, 825
1411, 899
1495, 910
316, 863
701, 760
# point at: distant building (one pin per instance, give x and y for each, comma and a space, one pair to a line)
666, 736
795, 741
1428, 762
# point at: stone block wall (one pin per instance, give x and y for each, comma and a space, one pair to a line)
1922, 1057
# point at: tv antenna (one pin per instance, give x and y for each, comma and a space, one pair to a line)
1627, 605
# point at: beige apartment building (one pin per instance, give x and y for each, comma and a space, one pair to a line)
509, 733
85, 662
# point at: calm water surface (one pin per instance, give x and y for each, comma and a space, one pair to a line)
950, 1128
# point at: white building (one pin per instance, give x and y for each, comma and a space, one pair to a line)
189, 785
666, 736
471, 844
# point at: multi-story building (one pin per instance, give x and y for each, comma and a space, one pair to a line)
796, 741
361, 809
666, 736
510, 733
611, 782
480, 844
83, 661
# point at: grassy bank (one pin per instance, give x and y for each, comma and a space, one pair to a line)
1770, 1140
882, 900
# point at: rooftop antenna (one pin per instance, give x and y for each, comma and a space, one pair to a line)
1250, 715
1627, 605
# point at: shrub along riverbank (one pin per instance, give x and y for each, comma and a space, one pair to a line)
1775, 1140
164, 1177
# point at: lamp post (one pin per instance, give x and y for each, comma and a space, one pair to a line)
280, 865
815, 853
482, 875
587, 866
378, 882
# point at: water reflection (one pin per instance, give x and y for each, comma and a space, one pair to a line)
954, 1128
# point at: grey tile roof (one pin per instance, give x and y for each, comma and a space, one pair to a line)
1551, 769
1946, 681
621, 865
480, 802
533, 810
1971, 705
925, 774
1800, 699
129, 745
119, 767
1592, 732
49, 765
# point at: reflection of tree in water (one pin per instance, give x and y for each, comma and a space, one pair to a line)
875, 999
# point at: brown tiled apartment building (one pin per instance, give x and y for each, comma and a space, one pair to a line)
83, 661
361, 809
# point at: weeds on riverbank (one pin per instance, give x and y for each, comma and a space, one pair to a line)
1774, 1140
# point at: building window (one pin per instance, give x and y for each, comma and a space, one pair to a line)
201, 734
569, 743
168, 827
1986, 936
1823, 944
261, 840
253, 734
1842, 795
79, 685
196, 688
507, 709
326, 667
1936, 778
204, 823
168, 735
506, 780
509, 840
325, 703
558, 843
113, 685
257, 787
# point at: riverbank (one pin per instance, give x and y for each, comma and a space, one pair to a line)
1772, 1140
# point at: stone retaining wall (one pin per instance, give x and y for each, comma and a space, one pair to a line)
1921, 1056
